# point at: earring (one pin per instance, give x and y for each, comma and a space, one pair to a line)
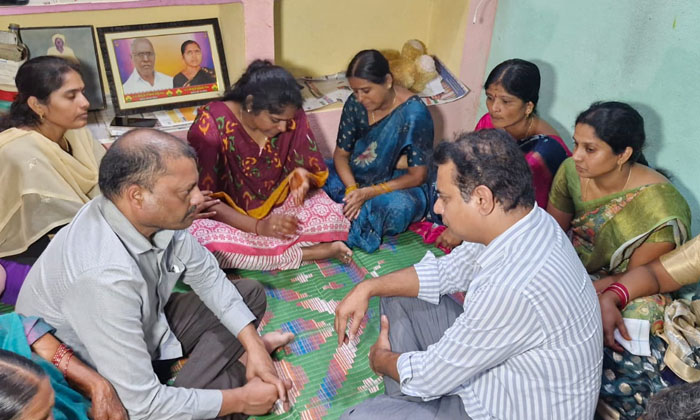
619, 167
247, 110
41, 117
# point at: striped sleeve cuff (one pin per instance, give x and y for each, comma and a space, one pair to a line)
405, 367
428, 279
409, 385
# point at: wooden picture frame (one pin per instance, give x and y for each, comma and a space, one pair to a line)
76, 44
149, 66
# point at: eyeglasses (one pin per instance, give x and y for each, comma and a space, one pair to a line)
145, 55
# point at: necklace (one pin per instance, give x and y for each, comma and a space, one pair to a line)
624, 187
529, 126
374, 120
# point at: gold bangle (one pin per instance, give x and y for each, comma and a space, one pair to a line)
385, 187
351, 188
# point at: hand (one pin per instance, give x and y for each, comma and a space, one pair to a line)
447, 239
612, 318
105, 402
258, 397
354, 307
299, 185
259, 365
354, 201
603, 283
281, 226
203, 210
381, 345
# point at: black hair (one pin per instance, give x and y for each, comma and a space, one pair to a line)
272, 87
369, 65
139, 157
518, 77
38, 77
186, 43
617, 124
490, 158
19, 383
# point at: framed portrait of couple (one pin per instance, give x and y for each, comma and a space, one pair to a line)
163, 65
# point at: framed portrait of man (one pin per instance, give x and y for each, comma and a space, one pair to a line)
76, 44
163, 65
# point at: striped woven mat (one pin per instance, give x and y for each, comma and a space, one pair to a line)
326, 379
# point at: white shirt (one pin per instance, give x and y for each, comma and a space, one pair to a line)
104, 286
135, 84
529, 344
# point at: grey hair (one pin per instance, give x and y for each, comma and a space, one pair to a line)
679, 402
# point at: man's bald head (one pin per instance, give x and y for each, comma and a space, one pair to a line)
139, 43
139, 157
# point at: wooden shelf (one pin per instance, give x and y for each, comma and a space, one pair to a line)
106, 5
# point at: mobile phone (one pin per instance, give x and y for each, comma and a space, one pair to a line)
126, 121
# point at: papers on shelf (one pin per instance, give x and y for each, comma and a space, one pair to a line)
325, 90
170, 121
8, 70
178, 117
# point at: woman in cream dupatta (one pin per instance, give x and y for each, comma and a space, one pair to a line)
621, 214
50, 163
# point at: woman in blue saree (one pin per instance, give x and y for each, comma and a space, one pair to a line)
379, 166
31, 338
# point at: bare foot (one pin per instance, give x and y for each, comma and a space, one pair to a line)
273, 341
341, 252
336, 249
276, 339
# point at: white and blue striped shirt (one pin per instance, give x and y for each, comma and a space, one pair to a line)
529, 344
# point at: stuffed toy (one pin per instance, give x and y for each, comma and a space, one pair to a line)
412, 68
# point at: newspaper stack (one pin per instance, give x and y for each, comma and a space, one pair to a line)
10, 60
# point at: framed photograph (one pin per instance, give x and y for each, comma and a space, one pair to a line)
163, 65
74, 43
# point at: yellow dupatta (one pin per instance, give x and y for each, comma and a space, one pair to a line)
42, 185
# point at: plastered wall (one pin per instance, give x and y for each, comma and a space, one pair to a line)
643, 52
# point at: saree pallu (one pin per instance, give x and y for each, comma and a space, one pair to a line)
605, 233
543, 153
15, 331
374, 152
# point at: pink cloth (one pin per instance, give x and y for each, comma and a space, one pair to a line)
429, 231
320, 220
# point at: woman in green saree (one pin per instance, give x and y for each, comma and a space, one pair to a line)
621, 214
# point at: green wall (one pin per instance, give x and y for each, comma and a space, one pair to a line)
643, 52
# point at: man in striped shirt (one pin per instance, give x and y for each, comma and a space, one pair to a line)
527, 341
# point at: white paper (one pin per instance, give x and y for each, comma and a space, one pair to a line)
638, 330
434, 87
